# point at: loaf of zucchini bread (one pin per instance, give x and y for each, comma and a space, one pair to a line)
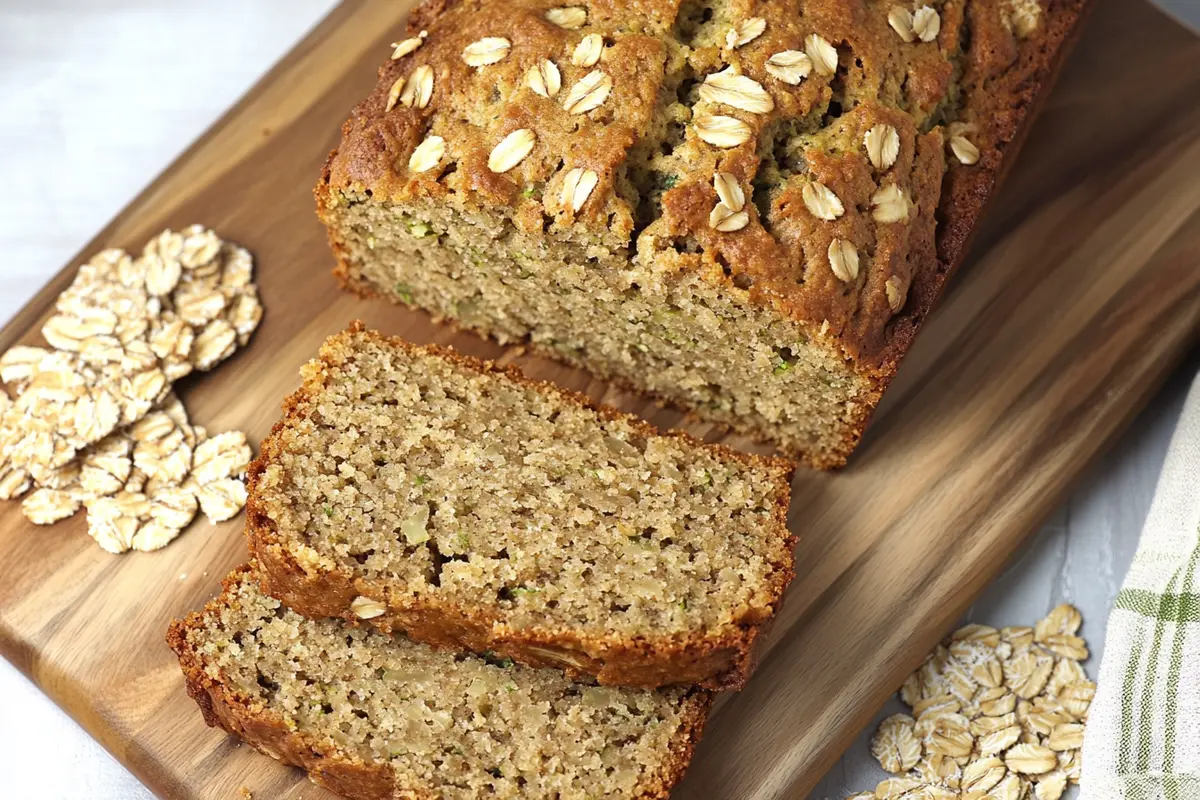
469, 507
745, 208
372, 717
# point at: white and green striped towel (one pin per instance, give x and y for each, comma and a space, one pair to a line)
1143, 731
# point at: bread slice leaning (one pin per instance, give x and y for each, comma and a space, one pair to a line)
375, 717
472, 508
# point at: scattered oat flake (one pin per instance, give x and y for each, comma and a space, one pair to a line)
951, 736
244, 314
199, 304
1050, 786
1077, 698
1030, 759
999, 741
19, 364
1028, 672
895, 745
897, 787
14, 482
1019, 637
105, 468
1066, 736
214, 344
998, 704
1065, 645
221, 499
220, 456
936, 706
984, 634
1062, 619
983, 774
82, 429
47, 506
1011, 787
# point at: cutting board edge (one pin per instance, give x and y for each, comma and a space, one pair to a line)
103, 725
809, 778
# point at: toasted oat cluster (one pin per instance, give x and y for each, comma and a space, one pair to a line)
996, 714
94, 422
746, 208
372, 716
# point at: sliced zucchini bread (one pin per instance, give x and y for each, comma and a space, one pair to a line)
374, 717
469, 507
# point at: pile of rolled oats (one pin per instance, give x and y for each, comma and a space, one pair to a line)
94, 423
996, 715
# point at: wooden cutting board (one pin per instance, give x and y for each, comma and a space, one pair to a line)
1083, 291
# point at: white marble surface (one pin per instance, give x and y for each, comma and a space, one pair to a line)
98, 96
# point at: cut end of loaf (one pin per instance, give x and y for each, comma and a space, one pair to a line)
762, 229
374, 717
480, 509
693, 339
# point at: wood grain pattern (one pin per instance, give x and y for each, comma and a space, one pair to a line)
1083, 291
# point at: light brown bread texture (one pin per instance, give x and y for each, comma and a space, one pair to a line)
374, 717
469, 507
751, 223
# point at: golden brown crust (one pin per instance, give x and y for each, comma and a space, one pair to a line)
717, 660
1010, 103
224, 707
999, 78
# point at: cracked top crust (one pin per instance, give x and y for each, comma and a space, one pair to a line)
970, 72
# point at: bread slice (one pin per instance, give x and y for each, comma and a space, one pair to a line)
373, 717
472, 508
